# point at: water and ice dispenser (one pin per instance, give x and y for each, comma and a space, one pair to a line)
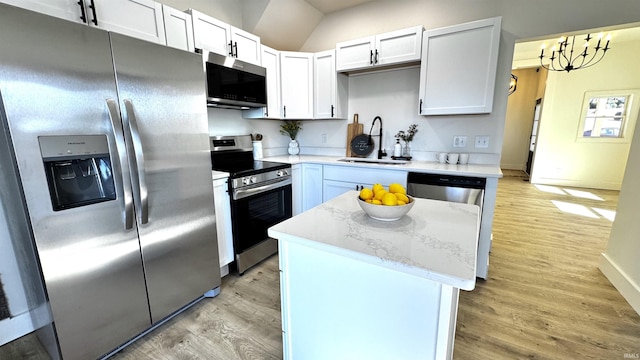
78, 169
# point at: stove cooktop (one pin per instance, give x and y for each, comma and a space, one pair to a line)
239, 169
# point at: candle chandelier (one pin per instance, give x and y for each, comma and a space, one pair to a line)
567, 56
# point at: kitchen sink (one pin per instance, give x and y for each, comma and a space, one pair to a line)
374, 161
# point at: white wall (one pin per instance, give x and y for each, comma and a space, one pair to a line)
519, 120
561, 157
620, 261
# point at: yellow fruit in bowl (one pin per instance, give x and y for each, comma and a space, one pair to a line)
379, 193
401, 197
376, 202
397, 188
376, 187
400, 202
366, 194
389, 199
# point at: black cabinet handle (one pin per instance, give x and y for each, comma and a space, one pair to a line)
420, 110
376, 58
230, 48
371, 57
93, 10
235, 46
284, 113
83, 15
332, 107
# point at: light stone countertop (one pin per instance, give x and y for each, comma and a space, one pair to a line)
477, 170
436, 240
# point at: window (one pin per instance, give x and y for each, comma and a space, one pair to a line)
605, 116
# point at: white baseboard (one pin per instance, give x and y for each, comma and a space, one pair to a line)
629, 289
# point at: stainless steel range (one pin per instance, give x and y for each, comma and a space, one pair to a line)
260, 193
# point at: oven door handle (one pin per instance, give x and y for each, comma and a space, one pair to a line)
243, 193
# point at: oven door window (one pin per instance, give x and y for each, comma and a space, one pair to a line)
252, 216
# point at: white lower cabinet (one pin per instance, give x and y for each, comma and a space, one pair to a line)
339, 179
311, 186
222, 206
296, 189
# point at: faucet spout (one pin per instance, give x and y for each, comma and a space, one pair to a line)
380, 152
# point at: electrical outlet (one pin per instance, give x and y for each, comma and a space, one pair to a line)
459, 141
324, 138
482, 141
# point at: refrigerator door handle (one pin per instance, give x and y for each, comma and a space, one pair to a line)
138, 161
116, 127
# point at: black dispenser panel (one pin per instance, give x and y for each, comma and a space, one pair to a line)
78, 169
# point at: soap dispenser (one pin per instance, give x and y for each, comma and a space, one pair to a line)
397, 149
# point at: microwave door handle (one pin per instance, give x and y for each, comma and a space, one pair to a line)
119, 165
138, 153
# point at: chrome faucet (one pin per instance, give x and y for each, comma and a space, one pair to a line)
381, 152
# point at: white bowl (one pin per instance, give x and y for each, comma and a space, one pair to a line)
384, 212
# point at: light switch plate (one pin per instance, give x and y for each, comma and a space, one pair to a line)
459, 141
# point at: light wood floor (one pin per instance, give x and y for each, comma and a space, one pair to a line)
545, 297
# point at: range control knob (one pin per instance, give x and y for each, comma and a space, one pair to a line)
279, 173
253, 179
246, 181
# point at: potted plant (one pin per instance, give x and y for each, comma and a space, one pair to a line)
291, 128
407, 137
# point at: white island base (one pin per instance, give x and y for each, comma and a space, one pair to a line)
357, 288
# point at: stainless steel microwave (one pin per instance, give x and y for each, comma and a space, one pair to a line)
232, 83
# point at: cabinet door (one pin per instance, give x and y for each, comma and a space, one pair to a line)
246, 46
210, 34
64, 9
178, 28
222, 208
141, 19
296, 188
324, 80
449, 84
355, 54
332, 188
311, 186
296, 70
399, 46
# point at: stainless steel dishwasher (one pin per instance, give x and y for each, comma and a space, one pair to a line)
460, 189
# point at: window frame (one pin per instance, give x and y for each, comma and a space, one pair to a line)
629, 117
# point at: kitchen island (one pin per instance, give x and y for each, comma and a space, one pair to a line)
357, 288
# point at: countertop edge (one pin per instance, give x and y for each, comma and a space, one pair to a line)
472, 170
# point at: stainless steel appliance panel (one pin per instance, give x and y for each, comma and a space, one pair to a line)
56, 78
162, 97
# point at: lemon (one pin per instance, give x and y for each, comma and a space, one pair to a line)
401, 197
379, 193
389, 199
397, 189
376, 202
376, 187
366, 194
400, 202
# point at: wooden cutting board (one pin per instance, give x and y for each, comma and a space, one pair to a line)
354, 129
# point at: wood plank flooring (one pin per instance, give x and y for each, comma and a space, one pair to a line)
545, 297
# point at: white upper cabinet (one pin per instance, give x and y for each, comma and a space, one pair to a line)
392, 48
219, 37
178, 29
458, 68
271, 62
296, 72
330, 87
141, 19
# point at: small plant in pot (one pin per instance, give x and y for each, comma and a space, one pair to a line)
290, 128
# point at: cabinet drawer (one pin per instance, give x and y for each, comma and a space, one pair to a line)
364, 175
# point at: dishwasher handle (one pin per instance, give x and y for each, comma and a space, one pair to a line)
468, 182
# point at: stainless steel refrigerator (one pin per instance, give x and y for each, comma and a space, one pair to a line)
109, 136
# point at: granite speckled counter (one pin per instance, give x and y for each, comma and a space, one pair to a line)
355, 287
